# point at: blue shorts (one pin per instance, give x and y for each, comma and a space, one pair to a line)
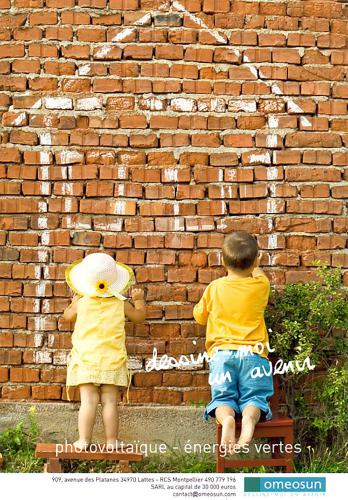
232, 384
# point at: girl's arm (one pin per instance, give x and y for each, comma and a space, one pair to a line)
70, 312
136, 313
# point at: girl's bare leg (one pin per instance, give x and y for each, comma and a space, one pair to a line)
109, 400
89, 394
225, 416
251, 415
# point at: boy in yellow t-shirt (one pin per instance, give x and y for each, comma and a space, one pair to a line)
233, 308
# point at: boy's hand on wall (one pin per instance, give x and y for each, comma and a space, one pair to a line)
257, 271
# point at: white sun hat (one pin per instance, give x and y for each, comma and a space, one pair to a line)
99, 275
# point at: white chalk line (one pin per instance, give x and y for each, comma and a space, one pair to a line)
271, 139
273, 121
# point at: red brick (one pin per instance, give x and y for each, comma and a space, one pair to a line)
147, 379
182, 275
177, 379
9, 154
6, 340
164, 331
196, 396
165, 293
331, 242
238, 140
330, 174
24, 375
44, 18
301, 276
140, 395
53, 375
314, 206
303, 242
178, 312
149, 274
179, 241
169, 397
3, 374
315, 139
13, 357
16, 392
46, 392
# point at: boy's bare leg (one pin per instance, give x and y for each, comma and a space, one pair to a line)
225, 416
109, 400
251, 415
89, 395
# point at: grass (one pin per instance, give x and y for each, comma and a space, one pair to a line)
324, 460
17, 446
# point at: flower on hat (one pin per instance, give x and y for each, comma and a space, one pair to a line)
102, 286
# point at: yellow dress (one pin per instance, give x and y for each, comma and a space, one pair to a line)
98, 355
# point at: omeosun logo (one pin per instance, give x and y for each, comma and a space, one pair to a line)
300, 484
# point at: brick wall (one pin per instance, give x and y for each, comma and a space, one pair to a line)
149, 129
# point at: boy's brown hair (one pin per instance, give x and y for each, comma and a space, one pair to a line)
239, 250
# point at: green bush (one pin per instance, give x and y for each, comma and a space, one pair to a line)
311, 320
332, 397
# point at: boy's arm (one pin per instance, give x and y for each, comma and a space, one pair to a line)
136, 313
200, 311
70, 312
257, 271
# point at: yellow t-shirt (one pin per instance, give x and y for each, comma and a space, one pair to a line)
233, 311
99, 336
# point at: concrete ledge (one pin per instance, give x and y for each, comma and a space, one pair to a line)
146, 423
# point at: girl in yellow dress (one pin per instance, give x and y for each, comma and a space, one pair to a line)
97, 363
